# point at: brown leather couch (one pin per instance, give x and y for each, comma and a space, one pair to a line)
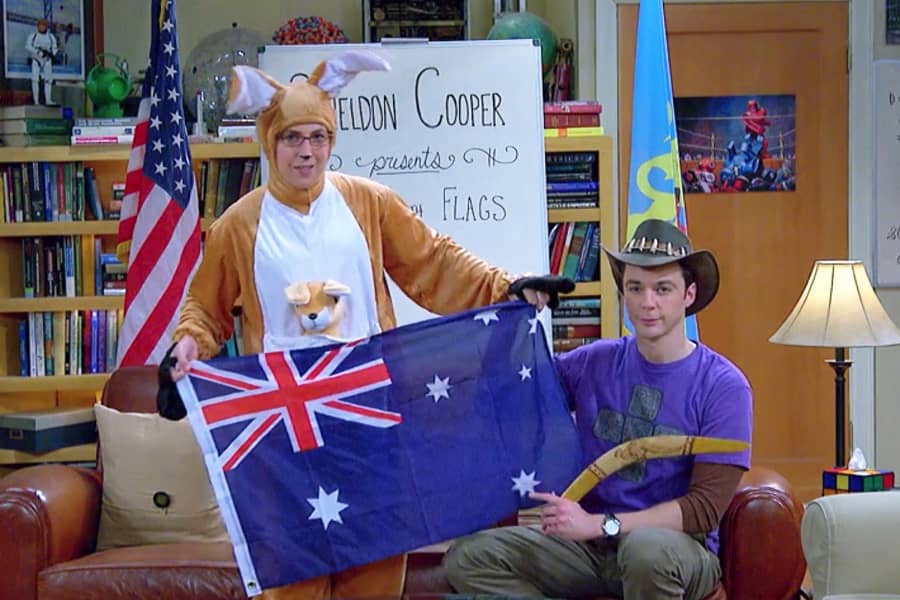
49, 516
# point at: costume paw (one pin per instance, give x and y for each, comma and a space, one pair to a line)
554, 285
168, 400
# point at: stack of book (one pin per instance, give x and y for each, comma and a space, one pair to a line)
572, 118
109, 277
117, 130
575, 322
237, 130
572, 180
35, 125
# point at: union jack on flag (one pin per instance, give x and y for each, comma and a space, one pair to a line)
293, 397
159, 226
327, 458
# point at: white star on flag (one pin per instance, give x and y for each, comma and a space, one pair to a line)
326, 507
439, 389
487, 316
524, 483
525, 373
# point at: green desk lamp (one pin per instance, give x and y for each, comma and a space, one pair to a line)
107, 87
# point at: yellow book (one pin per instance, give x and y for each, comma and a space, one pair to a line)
572, 131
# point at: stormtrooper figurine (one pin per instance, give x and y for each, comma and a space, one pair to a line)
41, 47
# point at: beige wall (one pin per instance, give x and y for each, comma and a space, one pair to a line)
126, 25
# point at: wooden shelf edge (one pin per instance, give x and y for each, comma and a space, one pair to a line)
230, 150
59, 304
83, 453
53, 383
586, 288
579, 143
118, 152
574, 215
59, 228
12, 230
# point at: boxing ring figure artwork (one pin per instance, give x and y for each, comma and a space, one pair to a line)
737, 143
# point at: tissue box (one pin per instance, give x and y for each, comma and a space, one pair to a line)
843, 481
46, 430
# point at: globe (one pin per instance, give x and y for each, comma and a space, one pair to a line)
525, 25
208, 69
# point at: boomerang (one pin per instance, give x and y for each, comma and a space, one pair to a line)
646, 448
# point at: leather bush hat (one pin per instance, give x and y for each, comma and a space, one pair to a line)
656, 243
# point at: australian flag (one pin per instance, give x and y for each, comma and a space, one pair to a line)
327, 458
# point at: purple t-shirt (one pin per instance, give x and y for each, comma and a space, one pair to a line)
618, 395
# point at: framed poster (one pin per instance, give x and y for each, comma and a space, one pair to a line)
887, 173
36, 33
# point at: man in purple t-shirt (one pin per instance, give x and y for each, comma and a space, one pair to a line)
649, 530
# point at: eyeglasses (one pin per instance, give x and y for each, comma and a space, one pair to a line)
293, 139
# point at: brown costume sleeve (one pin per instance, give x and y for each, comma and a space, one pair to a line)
223, 275
430, 268
709, 494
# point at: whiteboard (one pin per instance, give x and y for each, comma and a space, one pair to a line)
456, 129
887, 173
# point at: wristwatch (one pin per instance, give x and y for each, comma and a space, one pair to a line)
612, 526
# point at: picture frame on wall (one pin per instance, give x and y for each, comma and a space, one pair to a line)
27, 26
892, 22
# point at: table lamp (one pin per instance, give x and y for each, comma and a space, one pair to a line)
839, 309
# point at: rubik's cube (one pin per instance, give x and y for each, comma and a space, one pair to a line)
842, 481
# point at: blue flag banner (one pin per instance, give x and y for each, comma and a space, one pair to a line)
654, 187
326, 458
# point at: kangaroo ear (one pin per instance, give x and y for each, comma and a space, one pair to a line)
335, 288
297, 293
251, 90
333, 74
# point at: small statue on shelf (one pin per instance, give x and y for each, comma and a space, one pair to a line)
41, 46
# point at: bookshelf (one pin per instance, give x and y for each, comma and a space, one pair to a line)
603, 215
19, 393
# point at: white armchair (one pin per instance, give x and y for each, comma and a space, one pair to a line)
852, 546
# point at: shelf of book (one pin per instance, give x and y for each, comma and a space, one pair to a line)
602, 216
108, 165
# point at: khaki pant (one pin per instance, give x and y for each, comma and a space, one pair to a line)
382, 580
523, 562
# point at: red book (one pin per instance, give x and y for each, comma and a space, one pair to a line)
591, 107
553, 120
576, 331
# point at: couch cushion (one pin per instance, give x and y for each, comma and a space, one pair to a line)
184, 571
149, 462
850, 541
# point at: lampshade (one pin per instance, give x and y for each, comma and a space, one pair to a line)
838, 309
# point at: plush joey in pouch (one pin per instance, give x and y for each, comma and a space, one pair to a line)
553, 285
318, 305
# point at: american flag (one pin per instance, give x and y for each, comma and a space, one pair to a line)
331, 457
159, 230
